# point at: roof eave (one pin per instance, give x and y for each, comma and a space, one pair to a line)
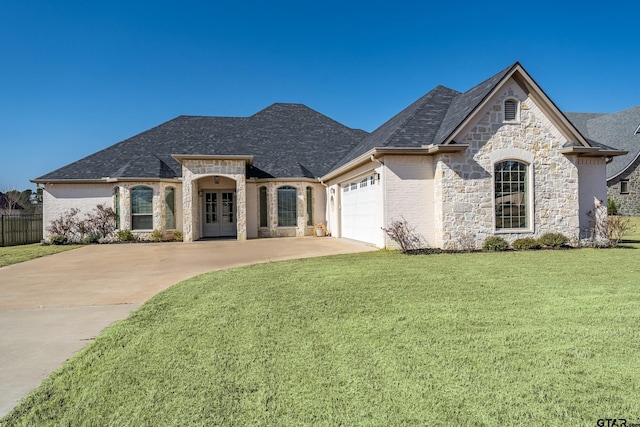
103, 180
592, 152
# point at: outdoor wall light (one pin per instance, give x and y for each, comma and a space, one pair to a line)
216, 179
200, 192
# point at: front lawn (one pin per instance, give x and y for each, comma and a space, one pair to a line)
517, 338
15, 254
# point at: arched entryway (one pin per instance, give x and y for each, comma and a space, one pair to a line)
218, 207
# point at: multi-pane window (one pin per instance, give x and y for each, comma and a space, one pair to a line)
287, 214
170, 208
263, 206
309, 206
510, 110
510, 179
142, 208
116, 205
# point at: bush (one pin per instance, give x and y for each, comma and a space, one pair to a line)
617, 228
125, 235
495, 243
157, 235
58, 240
525, 243
553, 240
404, 235
91, 238
612, 206
68, 227
178, 236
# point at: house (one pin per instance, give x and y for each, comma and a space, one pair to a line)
620, 130
8, 206
500, 158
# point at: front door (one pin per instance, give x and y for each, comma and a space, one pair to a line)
219, 214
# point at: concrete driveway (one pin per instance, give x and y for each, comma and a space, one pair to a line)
51, 307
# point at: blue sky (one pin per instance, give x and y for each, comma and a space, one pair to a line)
78, 76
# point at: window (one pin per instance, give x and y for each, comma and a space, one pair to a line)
170, 208
624, 186
363, 183
263, 206
510, 110
345, 188
309, 206
287, 214
510, 179
116, 205
354, 185
142, 208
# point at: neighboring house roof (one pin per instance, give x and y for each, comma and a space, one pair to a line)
617, 130
7, 203
286, 140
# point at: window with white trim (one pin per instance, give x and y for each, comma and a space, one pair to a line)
142, 208
116, 205
511, 195
287, 213
309, 206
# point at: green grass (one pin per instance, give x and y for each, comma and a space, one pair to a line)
15, 254
517, 338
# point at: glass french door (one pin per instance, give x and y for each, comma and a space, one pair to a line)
219, 216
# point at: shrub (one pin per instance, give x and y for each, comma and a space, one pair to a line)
64, 229
404, 235
553, 240
495, 243
525, 243
178, 236
612, 206
125, 235
157, 235
57, 239
617, 228
91, 238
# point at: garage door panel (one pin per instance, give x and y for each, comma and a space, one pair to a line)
359, 212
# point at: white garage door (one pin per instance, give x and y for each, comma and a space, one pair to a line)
359, 210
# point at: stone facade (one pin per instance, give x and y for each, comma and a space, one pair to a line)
464, 185
302, 228
629, 202
196, 169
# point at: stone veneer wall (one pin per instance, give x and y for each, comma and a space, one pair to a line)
157, 203
192, 170
629, 203
464, 192
272, 230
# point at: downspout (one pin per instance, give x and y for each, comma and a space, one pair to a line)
327, 200
384, 194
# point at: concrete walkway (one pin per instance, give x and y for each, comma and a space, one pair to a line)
51, 307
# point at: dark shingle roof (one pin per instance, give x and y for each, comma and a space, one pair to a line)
429, 120
615, 130
286, 140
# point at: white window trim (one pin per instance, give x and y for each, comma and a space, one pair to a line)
530, 195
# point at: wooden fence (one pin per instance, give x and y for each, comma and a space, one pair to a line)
20, 229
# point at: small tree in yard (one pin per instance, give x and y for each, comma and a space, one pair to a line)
103, 221
404, 235
607, 230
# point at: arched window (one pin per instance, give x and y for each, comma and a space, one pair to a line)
309, 206
511, 195
263, 207
142, 208
170, 208
287, 213
510, 110
116, 205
